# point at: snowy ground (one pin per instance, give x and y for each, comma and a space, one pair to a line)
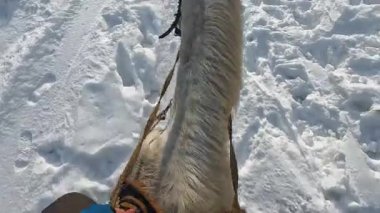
79, 77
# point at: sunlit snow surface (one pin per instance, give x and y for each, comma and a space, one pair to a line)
78, 79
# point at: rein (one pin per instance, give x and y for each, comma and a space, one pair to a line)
154, 117
153, 120
175, 25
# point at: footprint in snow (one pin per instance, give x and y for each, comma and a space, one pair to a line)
24, 152
42, 86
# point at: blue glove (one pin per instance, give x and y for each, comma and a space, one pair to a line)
98, 208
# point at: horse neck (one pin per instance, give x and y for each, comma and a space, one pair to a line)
207, 87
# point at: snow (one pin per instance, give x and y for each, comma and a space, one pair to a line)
78, 79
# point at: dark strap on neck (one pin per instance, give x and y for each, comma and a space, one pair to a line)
174, 25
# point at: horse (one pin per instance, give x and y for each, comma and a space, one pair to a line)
190, 165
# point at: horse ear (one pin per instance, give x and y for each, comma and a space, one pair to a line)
72, 202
